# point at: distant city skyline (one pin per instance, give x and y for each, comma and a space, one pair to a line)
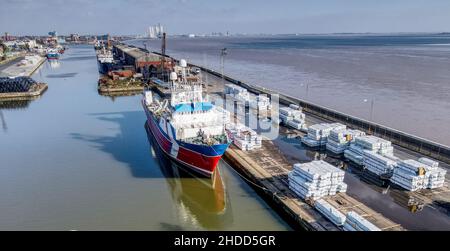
127, 17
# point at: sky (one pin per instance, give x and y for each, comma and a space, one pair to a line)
123, 17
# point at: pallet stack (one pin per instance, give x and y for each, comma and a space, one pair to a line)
243, 137
355, 222
339, 139
293, 116
379, 164
318, 133
414, 175
355, 151
261, 103
237, 92
331, 213
316, 179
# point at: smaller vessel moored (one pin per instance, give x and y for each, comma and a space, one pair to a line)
52, 54
105, 60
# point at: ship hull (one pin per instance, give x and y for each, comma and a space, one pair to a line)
104, 68
52, 56
200, 158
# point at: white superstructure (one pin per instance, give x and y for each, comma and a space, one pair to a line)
191, 116
105, 56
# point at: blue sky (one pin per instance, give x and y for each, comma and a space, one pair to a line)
235, 16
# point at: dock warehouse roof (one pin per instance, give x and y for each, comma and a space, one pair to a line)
138, 54
140, 58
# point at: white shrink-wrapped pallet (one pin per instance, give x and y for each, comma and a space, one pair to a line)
316, 179
286, 111
299, 125
330, 212
354, 153
371, 143
295, 107
243, 137
415, 175
318, 133
429, 162
237, 92
293, 118
355, 222
377, 163
260, 102
339, 139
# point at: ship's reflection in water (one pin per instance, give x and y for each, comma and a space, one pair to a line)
54, 63
201, 202
10, 105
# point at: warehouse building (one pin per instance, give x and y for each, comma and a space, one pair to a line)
143, 62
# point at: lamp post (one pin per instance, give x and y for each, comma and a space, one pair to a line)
223, 53
307, 89
371, 107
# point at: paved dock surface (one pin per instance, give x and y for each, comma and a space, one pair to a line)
269, 168
11, 69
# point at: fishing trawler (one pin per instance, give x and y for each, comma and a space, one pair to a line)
52, 54
105, 60
188, 128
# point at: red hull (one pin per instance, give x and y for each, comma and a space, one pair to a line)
198, 162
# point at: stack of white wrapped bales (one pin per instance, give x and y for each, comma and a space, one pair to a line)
339, 139
379, 164
318, 133
355, 151
435, 177
355, 222
260, 102
415, 175
237, 92
316, 179
243, 137
331, 213
293, 116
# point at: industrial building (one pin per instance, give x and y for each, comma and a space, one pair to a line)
144, 62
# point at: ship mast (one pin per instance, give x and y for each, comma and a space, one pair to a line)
163, 53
